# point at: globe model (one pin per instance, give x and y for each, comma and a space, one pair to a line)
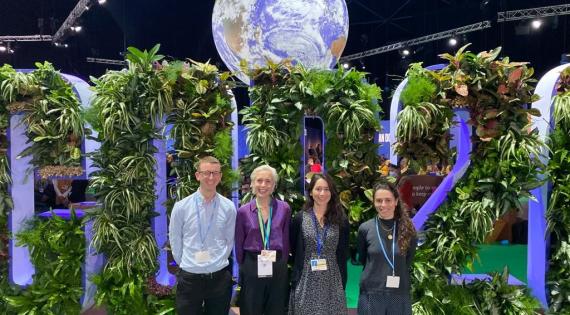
311, 32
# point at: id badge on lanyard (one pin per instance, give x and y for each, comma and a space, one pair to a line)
392, 281
319, 264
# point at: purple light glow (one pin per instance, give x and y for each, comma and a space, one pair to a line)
62, 213
461, 164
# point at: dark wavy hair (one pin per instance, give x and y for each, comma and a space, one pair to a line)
334, 214
406, 230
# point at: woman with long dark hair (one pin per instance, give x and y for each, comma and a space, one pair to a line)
386, 246
319, 244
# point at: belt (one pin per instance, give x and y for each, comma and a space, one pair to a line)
208, 275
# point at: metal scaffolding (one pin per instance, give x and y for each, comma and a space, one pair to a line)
26, 38
419, 40
107, 61
533, 13
63, 31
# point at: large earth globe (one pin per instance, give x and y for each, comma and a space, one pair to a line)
311, 32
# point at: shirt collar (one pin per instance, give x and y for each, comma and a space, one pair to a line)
253, 204
201, 199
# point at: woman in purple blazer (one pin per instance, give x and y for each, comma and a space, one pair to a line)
262, 247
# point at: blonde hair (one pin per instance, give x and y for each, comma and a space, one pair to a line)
206, 159
262, 168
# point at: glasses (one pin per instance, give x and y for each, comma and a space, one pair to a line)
210, 173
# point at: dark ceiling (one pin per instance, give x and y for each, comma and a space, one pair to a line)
183, 28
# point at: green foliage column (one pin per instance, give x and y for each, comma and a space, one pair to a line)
503, 170
281, 95
558, 212
127, 112
200, 123
5, 200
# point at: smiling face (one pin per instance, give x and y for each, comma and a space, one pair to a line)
321, 193
209, 175
263, 184
385, 203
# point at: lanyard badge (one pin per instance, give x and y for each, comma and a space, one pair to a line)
392, 281
319, 264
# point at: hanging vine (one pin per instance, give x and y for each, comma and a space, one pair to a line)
503, 170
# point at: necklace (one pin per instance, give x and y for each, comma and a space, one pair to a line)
387, 230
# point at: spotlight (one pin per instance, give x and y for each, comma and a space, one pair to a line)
345, 65
65, 45
2, 47
77, 28
536, 24
87, 7
101, 1
452, 41
405, 52
56, 44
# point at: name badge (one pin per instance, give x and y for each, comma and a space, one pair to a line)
264, 267
318, 264
393, 282
202, 256
270, 255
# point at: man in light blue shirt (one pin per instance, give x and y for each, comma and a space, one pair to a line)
201, 236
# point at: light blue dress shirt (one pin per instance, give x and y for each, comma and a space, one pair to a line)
214, 232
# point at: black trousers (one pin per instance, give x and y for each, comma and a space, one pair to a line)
204, 294
263, 296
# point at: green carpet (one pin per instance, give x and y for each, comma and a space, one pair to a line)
491, 258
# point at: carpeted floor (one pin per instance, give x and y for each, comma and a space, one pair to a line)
491, 258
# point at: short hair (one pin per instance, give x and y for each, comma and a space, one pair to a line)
262, 168
206, 159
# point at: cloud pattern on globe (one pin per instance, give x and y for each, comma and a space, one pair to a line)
311, 32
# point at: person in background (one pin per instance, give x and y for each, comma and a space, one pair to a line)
201, 234
60, 193
319, 151
319, 248
385, 168
386, 247
262, 247
316, 167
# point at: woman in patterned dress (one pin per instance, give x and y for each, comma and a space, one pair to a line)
319, 245
386, 246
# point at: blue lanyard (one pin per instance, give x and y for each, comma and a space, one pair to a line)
320, 241
198, 206
393, 262
265, 228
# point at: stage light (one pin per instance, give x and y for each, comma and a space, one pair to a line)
452, 41
2, 48
65, 45
77, 28
536, 24
345, 65
406, 52
101, 1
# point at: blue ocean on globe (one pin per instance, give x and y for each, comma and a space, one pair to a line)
311, 32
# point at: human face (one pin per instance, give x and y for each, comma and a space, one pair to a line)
385, 203
263, 184
321, 193
209, 175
